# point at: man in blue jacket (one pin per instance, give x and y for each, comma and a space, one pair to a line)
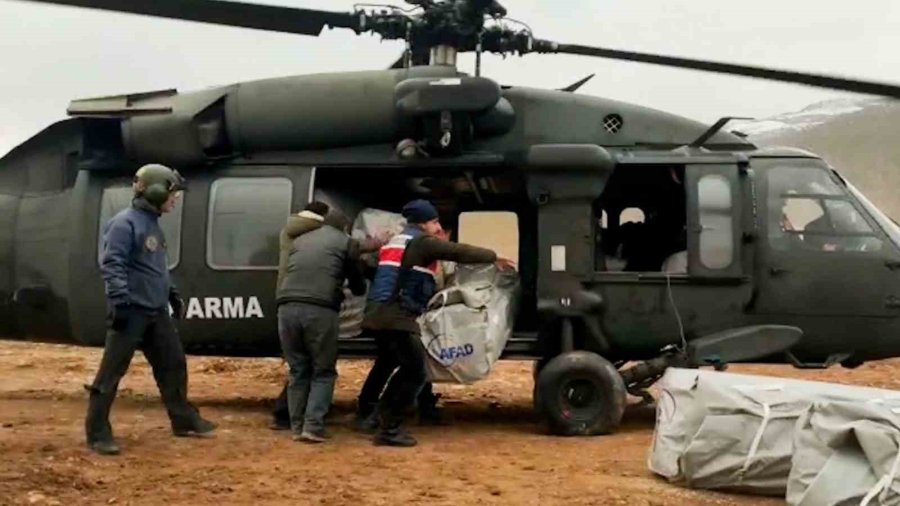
138, 293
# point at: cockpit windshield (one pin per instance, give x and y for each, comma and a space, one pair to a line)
887, 224
811, 209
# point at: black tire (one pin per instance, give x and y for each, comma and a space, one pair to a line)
580, 394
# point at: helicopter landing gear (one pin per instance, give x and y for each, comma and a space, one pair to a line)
580, 393
641, 376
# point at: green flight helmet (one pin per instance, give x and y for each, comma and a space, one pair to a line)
157, 181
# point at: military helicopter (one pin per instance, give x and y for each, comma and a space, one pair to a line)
645, 240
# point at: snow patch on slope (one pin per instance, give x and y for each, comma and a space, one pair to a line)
808, 117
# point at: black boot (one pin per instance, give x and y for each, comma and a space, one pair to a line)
280, 424
432, 416
398, 436
200, 428
392, 433
105, 447
429, 413
98, 431
367, 424
281, 415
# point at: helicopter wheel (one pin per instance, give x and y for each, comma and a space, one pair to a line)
580, 394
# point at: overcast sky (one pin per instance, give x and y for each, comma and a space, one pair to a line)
50, 55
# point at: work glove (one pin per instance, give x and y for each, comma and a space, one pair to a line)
177, 304
120, 315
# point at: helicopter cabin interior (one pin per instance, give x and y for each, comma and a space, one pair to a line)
641, 221
483, 207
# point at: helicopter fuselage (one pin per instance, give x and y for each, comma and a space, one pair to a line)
671, 240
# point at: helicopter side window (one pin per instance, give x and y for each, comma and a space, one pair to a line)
808, 211
716, 217
246, 215
118, 197
645, 227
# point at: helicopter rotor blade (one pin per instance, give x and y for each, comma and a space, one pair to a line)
228, 13
816, 80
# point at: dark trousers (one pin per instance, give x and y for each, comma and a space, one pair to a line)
406, 383
154, 333
308, 335
381, 371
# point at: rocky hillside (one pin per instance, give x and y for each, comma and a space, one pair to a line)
858, 137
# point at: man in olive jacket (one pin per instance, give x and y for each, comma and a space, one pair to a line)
309, 299
307, 220
311, 218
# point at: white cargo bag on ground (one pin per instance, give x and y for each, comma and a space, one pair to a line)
718, 430
368, 223
846, 453
468, 324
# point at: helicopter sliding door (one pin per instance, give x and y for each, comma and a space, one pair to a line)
229, 255
672, 263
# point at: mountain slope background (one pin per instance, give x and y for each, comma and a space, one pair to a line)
860, 138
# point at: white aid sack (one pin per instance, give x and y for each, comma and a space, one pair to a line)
368, 223
468, 324
846, 453
717, 430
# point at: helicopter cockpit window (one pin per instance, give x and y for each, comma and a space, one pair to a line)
118, 197
809, 211
246, 215
887, 224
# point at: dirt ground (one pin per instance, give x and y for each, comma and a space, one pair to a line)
494, 452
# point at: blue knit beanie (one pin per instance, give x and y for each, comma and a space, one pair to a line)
419, 211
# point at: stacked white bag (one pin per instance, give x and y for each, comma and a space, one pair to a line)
738, 432
846, 453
